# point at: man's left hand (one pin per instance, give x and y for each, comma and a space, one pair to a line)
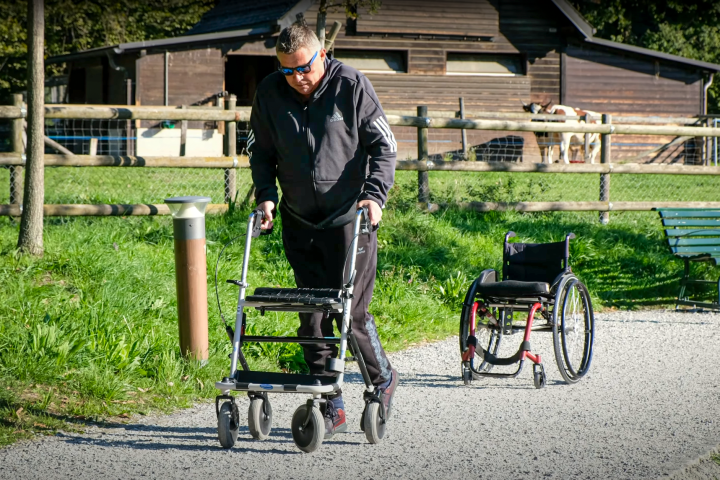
374, 210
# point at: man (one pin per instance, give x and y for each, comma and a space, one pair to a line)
318, 128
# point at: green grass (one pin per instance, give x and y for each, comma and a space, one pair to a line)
89, 331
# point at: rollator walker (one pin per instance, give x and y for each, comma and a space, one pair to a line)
308, 425
536, 278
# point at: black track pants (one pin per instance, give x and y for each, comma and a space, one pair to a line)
317, 258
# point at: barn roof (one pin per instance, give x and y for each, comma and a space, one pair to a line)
234, 14
166, 43
588, 33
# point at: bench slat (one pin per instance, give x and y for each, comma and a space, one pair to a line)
689, 213
710, 222
680, 242
692, 232
699, 250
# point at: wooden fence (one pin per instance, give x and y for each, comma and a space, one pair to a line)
231, 160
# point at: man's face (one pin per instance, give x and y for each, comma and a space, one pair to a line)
303, 83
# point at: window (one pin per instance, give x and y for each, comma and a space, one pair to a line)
377, 61
484, 64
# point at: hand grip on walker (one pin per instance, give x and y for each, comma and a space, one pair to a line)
365, 225
257, 222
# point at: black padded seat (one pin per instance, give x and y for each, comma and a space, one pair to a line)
296, 296
513, 289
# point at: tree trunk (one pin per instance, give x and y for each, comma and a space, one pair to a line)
30, 239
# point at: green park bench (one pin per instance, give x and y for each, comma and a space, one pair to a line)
693, 234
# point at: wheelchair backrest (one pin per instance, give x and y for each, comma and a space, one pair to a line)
535, 262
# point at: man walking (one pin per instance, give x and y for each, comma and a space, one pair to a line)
317, 128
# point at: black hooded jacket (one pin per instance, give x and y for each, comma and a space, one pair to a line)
327, 153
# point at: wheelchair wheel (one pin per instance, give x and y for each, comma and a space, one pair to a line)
573, 330
260, 418
308, 438
228, 425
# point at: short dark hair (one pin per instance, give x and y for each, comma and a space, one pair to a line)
296, 36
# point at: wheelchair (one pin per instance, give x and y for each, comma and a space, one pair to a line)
307, 425
536, 278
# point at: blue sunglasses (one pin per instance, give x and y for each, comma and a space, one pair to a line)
301, 69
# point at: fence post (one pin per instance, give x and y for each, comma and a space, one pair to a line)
586, 151
183, 134
230, 151
715, 143
423, 184
463, 132
16, 183
605, 157
129, 140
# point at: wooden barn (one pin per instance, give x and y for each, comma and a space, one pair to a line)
496, 54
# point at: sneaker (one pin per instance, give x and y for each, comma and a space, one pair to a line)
387, 391
334, 420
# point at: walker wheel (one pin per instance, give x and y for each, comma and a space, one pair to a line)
466, 374
228, 425
539, 377
373, 425
259, 421
308, 438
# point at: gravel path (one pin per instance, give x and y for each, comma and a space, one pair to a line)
649, 408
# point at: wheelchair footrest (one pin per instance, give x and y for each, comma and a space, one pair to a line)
297, 296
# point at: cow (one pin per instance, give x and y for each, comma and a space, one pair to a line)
566, 140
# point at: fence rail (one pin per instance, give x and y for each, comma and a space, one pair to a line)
242, 161
215, 114
228, 117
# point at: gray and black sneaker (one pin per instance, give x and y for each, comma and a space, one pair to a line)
386, 393
334, 420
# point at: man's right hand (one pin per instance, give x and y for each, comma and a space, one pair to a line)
267, 207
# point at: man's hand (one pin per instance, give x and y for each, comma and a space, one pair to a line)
374, 210
267, 207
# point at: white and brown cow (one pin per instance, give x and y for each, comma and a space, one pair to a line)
566, 140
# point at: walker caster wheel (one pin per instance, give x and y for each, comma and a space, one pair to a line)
308, 436
228, 427
539, 376
373, 424
466, 374
260, 418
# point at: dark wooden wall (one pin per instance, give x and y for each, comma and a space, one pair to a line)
194, 76
456, 17
611, 82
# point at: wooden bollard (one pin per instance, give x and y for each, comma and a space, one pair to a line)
191, 274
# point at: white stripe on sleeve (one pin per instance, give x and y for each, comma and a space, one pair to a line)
384, 128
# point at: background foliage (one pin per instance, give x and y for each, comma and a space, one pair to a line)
71, 26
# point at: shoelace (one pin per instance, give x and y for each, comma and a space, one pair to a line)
330, 410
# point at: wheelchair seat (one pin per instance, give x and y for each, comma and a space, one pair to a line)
513, 289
